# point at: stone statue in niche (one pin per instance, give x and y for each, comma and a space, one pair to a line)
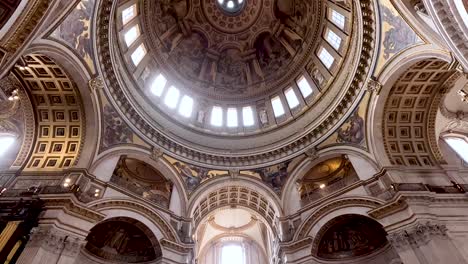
201, 116
263, 117
272, 56
318, 77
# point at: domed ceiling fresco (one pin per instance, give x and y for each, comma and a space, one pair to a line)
232, 55
234, 83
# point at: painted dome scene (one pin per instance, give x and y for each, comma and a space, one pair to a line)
233, 131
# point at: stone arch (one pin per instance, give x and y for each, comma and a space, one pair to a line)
240, 181
368, 168
451, 26
79, 73
331, 209
132, 209
107, 161
59, 110
114, 240
205, 249
387, 78
409, 122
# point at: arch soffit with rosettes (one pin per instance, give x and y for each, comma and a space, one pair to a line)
387, 78
80, 75
239, 181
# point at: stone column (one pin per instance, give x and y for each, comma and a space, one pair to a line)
49, 245
425, 243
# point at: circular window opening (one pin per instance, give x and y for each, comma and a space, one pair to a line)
231, 6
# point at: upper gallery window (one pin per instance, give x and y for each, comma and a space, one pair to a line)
459, 145
326, 58
278, 108
217, 116
129, 13
304, 87
131, 35
333, 39
338, 19
291, 98
138, 54
247, 116
157, 88
186, 106
6, 141
172, 97
232, 117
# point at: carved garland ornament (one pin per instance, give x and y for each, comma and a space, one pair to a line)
185, 153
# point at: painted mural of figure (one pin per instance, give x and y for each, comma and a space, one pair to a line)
231, 68
117, 240
275, 176
354, 133
75, 29
399, 36
191, 180
189, 55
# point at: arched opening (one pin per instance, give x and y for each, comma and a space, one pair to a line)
410, 112
143, 180
459, 144
233, 235
325, 178
123, 239
352, 238
6, 142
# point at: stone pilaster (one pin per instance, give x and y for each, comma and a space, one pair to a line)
50, 245
425, 243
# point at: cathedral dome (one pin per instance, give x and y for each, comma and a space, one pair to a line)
254, 76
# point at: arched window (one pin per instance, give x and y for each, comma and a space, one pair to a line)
6, 141
459, 144
232, 254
